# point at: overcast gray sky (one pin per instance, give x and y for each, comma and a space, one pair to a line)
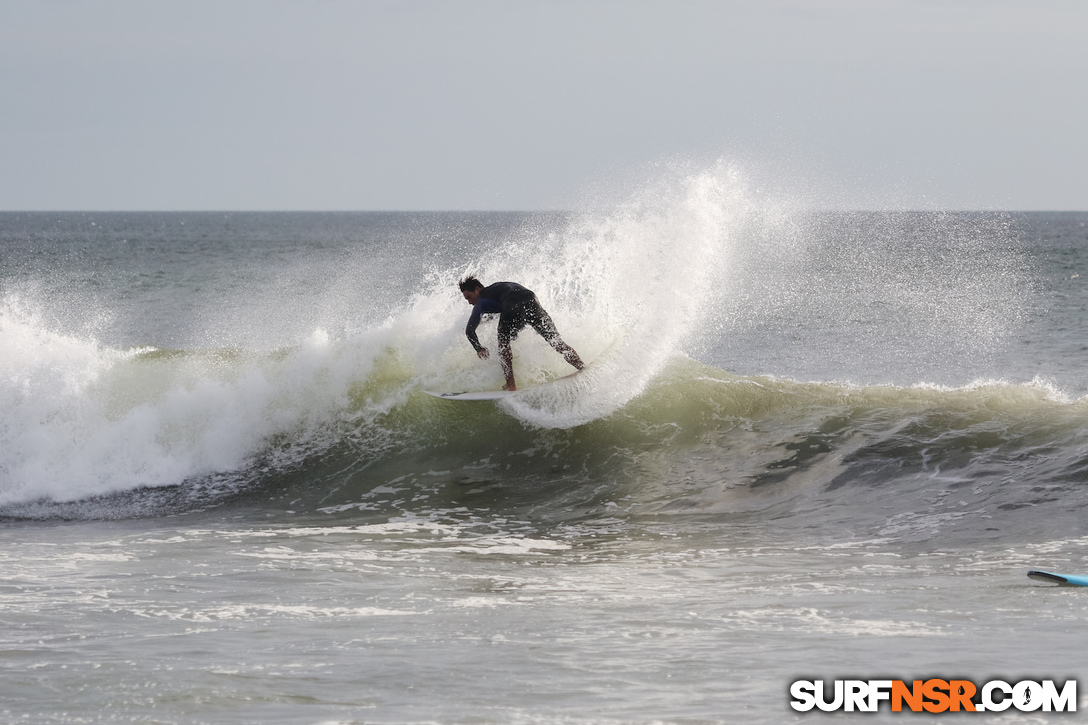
512, 104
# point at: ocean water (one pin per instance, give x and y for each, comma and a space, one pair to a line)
810, 445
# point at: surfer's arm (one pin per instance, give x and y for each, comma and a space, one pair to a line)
470, 331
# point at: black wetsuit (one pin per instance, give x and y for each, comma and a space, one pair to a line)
516, 306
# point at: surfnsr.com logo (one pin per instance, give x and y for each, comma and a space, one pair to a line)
934, 695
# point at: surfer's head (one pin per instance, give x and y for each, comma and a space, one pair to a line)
470, 289
470, 283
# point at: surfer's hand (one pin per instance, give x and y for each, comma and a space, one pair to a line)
483, 353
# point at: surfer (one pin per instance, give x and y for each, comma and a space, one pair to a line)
517, 307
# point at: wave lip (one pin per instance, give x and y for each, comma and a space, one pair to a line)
82, 420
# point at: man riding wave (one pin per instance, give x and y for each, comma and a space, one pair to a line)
516, 307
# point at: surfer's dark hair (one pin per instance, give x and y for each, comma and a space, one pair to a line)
470, 283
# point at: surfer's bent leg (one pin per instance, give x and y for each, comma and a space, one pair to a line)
507, 330
542, 322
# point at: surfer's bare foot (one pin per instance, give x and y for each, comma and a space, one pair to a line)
510, 386
571, 357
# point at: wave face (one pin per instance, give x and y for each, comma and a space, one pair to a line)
748, 358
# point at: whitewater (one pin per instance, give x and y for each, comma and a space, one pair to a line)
809, 444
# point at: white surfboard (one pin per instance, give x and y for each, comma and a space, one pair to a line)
478, 395
494, 394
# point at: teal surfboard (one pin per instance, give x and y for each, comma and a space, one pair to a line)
1068, 579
